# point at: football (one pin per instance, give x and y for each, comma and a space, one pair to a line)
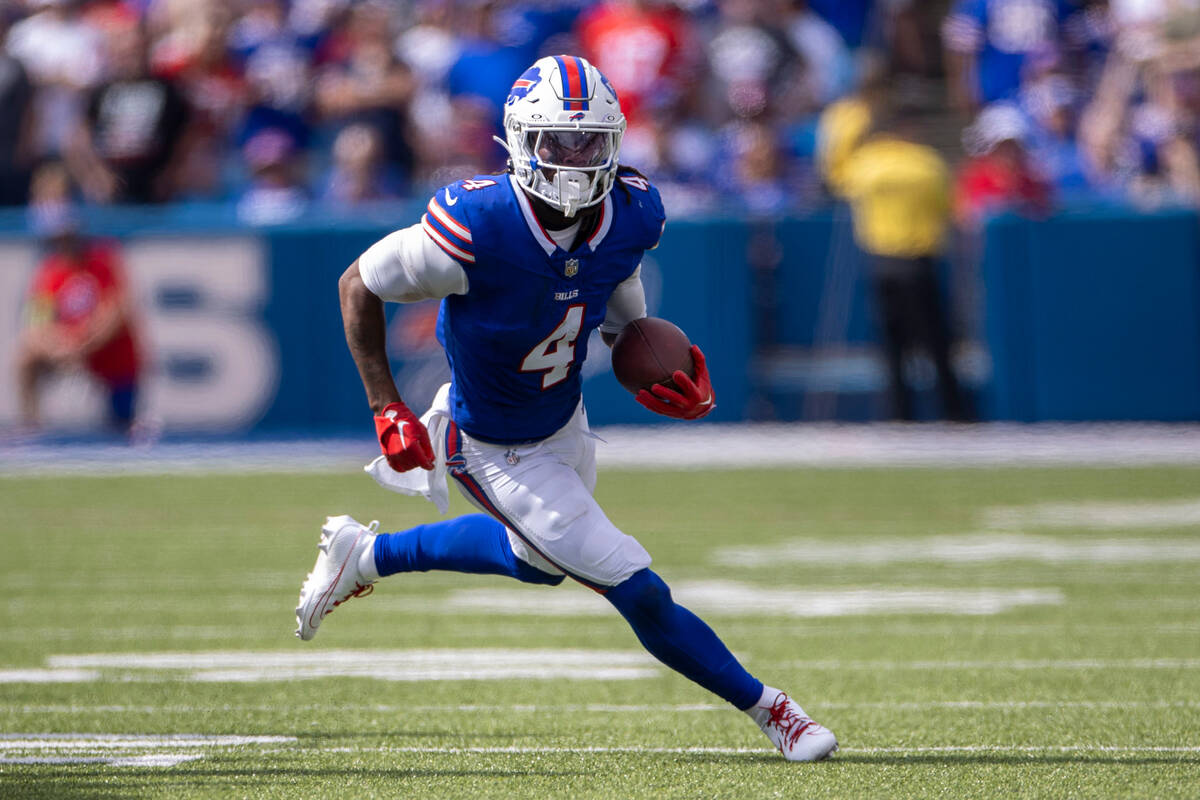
648, 351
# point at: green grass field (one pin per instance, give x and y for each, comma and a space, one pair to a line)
1075, 674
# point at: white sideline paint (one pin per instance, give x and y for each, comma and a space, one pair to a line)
671, 446
48, 675
388, 665
600, 708
116, 748
968, 548
634, 750
160, 760
121, 741
729, 598
1097, 515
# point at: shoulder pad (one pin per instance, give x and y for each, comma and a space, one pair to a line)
644, 196
446, 222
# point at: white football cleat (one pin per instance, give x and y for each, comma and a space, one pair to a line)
796, 735
335, 577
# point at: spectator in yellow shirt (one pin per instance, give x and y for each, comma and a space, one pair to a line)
899, 195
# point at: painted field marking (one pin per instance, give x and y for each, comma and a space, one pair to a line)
48, 675
643, 447
490, 664
122, 741
119, 750
730, 598
637, 750
1097, 515
161, 760
248, 666
600, 708
967, 548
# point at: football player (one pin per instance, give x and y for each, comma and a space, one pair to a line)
527, 265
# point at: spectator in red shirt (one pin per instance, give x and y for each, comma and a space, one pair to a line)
646, 49
77, 315
998, 177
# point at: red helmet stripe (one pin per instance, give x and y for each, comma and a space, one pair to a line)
572, 82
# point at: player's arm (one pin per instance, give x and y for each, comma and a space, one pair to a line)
628, 302
695, 396
403, 267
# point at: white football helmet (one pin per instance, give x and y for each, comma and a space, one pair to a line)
563, 125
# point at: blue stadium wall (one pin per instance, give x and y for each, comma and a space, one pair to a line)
1087, 316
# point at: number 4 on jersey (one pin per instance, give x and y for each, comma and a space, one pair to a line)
555, 354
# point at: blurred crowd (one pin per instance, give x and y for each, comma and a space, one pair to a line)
278, 107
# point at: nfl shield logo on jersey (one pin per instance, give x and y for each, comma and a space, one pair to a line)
571, 268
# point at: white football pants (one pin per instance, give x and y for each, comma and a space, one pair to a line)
542, 492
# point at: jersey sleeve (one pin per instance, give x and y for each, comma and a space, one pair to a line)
407, 266
445, 223
628, 302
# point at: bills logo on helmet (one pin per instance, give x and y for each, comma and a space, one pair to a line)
577, 116
609, 86
531, 78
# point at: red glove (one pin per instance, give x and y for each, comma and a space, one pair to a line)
693, 401
403, 438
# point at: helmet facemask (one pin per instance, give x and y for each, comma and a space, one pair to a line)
568, 168
563, 148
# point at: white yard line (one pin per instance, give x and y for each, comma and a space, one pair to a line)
121, 741
120, 750
976, 548
248, 666
1097, 515
673, 447
732, 598
601, 708
156, 760
637, 750
48, 675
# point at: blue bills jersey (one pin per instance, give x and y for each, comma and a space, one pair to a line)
517, 339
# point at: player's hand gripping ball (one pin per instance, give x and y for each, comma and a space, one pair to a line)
403, 439
654, 360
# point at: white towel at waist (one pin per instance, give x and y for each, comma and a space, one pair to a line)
419, 482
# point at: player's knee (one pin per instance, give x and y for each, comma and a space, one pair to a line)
643, 594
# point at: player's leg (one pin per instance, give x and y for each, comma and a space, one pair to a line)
122, 402
353, 557
682, 641
933, 333
543, 495
475, 543
890, 311
31, 367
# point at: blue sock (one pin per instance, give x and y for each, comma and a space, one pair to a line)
681, 640
475, 543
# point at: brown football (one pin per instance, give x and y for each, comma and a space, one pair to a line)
648, 351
